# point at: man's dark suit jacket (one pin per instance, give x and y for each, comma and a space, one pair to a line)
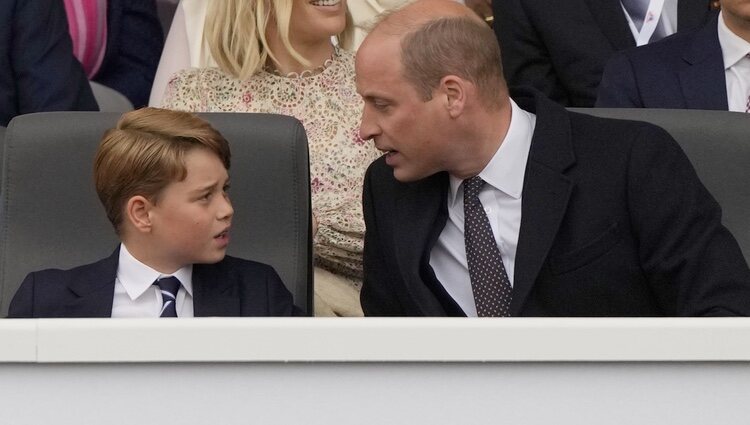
231, 287
684, 71
134, 44
560, 48
614, 223
38, 71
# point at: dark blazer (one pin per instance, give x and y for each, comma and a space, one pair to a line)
231, 287
614, 223
561, 48
134, 43
684, 71
38, 71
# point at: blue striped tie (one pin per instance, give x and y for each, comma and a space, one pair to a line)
169, 287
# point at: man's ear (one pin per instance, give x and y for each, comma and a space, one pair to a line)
137, 213
455, 91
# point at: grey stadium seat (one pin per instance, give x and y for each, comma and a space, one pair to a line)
110, 100
51, 216
718, 145
2, 141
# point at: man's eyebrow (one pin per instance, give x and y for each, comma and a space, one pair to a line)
370, 97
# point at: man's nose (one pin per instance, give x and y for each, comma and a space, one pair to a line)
368, 128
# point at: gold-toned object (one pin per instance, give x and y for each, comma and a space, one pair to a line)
490, 20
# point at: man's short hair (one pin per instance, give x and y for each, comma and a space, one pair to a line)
459, 46
145, 152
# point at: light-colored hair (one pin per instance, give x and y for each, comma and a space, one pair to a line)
235, 33
457, 45
145, 152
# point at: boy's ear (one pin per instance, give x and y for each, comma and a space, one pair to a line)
137, 213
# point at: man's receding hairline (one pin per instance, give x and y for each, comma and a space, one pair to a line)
406, 28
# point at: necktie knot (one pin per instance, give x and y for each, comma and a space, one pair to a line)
472, 186
168, 287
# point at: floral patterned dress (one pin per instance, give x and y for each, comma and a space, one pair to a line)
330, 110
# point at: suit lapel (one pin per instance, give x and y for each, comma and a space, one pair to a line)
609, 17
214, 292
702, 76
546, 193
421, 210
94, 289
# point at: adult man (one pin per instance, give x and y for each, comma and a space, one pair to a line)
574, 215
38, 71
706, 68
562, 49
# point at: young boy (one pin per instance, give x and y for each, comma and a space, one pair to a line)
162, 177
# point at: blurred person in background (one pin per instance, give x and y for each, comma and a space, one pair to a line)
186, 48
118, 42
561, 51
38, 71
706, 68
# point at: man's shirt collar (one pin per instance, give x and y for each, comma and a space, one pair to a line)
506, 169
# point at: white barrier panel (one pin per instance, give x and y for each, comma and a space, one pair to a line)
375, 371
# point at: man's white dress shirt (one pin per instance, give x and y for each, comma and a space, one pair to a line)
501, 198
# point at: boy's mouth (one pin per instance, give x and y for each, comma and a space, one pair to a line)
223, 236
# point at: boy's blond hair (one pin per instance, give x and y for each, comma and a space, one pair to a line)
145, 152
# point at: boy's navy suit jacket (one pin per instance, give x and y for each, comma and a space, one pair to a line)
231, 287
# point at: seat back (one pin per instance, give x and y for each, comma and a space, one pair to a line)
718, 145
2, 138
51, 216
109, 99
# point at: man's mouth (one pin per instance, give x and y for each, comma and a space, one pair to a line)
383, 149
390, 157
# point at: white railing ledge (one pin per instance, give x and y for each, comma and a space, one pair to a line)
375, 340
